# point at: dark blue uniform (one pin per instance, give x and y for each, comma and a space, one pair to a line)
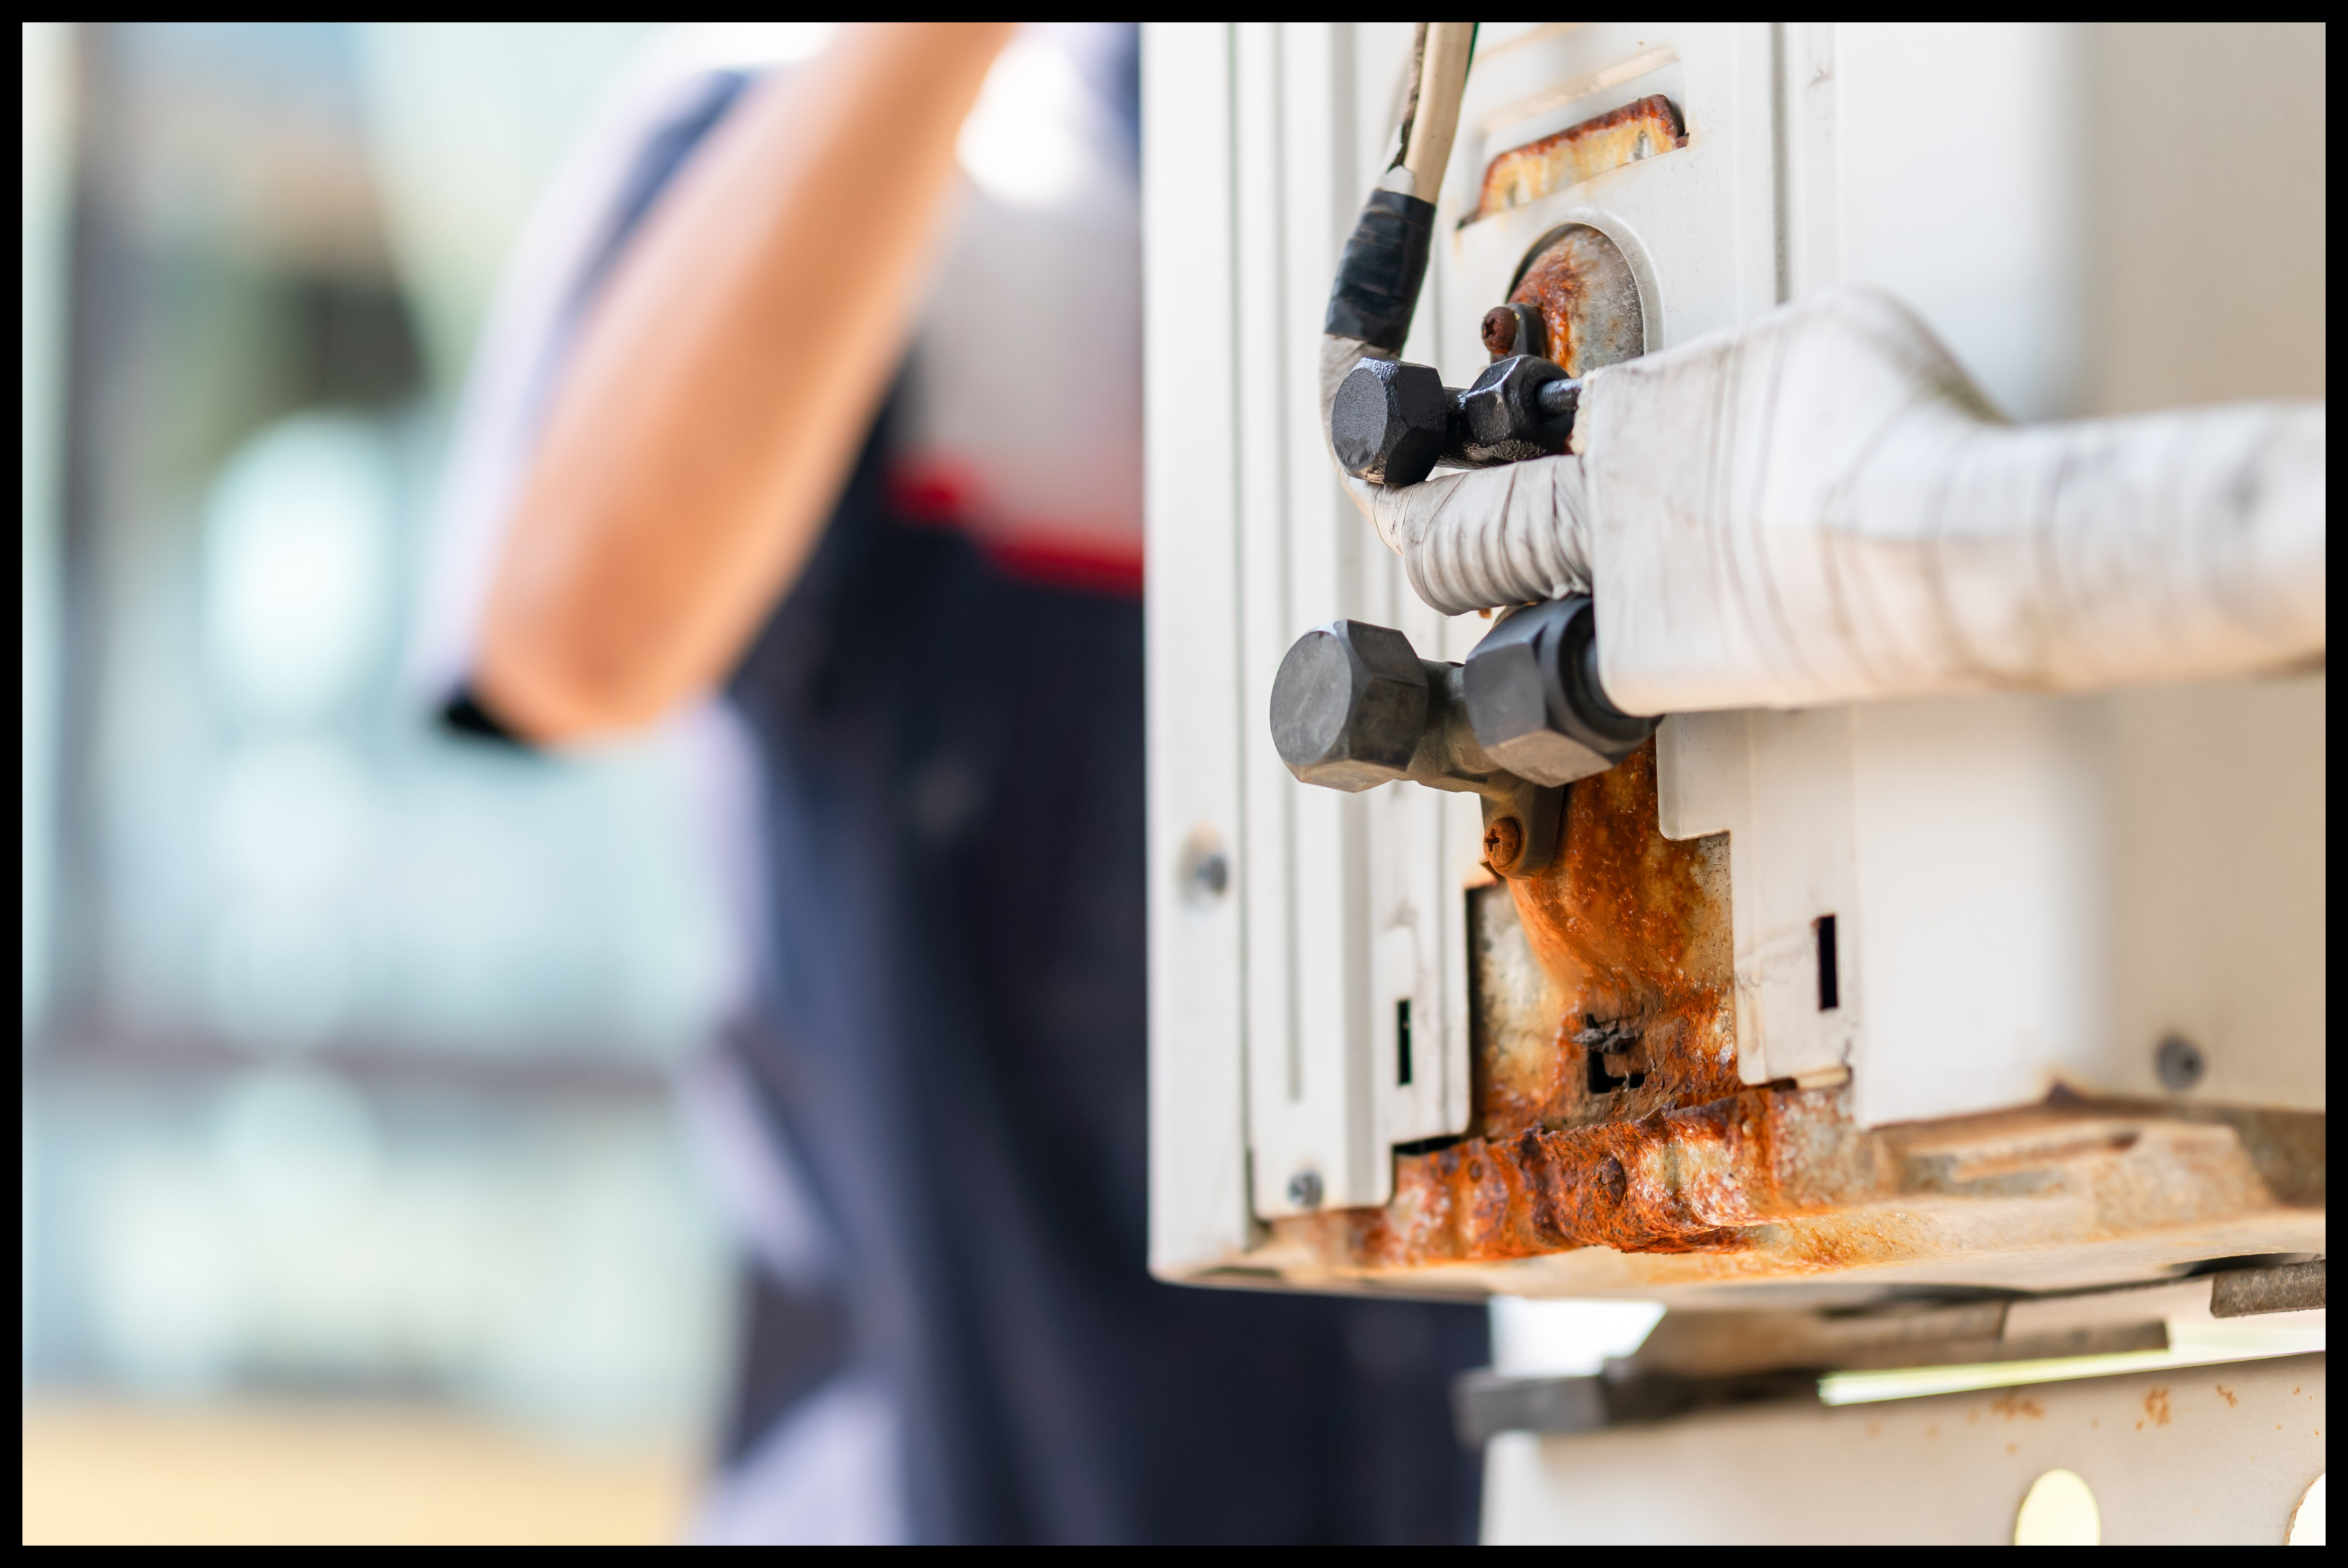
950, 1044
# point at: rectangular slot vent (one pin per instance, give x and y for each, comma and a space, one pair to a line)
1402, 1042
1829, 980
1523, 175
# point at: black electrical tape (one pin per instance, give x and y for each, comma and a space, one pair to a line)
1384, 262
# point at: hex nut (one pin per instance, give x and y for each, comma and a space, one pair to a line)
1534, 699
1388, 422
1502, 414
1348, 706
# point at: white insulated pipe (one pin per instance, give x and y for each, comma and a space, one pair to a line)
1822, 508
1474, 540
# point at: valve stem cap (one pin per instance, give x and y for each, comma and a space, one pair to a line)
1348, 706
1388, 422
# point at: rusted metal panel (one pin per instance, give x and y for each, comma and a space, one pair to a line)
1778, 1182
1523, 175
1680, 1181
1576, 279
1608, 1114
1581, 285
1634, 1011
1607, 1106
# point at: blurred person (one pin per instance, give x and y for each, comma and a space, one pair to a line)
776, 403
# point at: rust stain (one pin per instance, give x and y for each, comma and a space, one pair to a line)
1700, 1178
1630, 931
2011, 1405
2155, 1407
2228, 1395
1588, 299
1772, 1182
1525, 174
1607, 1111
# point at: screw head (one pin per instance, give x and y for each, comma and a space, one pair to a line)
1499, 331
1304, 1189
1504, 841
1204, 871
1348, 706
1388, 422
2179, 1063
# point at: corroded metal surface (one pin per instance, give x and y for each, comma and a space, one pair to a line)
1608, 1109
1609, 1123
1523, 175
1778, 1183
1635, 1014
1683, 1180
1581, 285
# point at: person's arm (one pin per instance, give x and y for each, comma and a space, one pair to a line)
724, 385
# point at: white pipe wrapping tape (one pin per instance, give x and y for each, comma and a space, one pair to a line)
1821, 507
1470, 540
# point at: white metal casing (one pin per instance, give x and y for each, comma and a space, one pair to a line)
2028, 889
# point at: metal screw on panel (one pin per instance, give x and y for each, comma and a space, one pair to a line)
2179, 1063
1499, 331
1304, 1189
1512, 329
1212, 874
1204, 871
1504, 841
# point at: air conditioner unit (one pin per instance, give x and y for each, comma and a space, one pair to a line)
1856, 1009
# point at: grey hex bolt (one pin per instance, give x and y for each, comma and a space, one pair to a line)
1389, 422
1534, 699
1348, 706
1519, 409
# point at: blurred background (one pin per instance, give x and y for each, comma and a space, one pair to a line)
354, 1194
